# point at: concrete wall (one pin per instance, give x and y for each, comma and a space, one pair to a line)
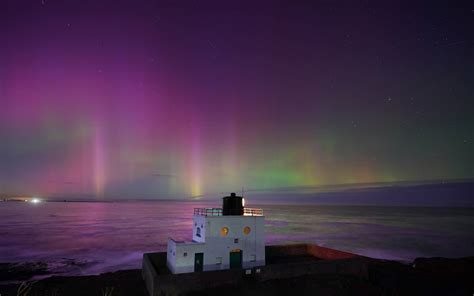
355, 266
180, 256
159, 282
328, 254
307, 249
252, 245
217, 248
199, 228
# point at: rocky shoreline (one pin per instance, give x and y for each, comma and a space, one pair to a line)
28, 271
22, 271
424, 276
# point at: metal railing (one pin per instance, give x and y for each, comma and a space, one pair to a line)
208, 211
218, 212
253, 212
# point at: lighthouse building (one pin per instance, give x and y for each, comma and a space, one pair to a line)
228, 237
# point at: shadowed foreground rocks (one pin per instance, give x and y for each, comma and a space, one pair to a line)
426, 276
22, 271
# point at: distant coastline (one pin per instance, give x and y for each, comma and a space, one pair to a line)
434, 193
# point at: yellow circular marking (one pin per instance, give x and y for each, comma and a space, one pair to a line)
246, 230
224, 231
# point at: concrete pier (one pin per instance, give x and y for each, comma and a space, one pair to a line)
281, 262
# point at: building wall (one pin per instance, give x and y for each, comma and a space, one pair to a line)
180, 255
252, 245
217, 248
199, 228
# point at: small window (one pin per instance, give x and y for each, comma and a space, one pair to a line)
218, 260
246, 230
253, 258
236, 240
224, 231
185, 254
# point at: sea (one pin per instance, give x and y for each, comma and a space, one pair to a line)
84, 238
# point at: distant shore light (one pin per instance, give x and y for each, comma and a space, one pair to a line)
35, 200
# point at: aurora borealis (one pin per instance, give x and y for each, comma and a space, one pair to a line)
170, 99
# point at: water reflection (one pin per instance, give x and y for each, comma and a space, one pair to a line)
112, 236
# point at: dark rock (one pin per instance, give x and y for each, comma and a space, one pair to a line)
429, 276
22, 271
445, 265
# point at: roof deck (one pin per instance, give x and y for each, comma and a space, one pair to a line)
218, 212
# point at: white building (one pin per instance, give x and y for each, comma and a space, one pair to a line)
231, 237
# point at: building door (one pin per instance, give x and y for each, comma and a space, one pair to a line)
198, 262
236, 259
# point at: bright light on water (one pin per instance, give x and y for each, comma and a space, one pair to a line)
36, 200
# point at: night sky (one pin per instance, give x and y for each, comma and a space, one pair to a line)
176, 99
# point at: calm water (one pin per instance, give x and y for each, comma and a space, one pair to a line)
113, 236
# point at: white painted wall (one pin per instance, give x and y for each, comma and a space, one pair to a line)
252, 245
180, 255
217, 248
199, 226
